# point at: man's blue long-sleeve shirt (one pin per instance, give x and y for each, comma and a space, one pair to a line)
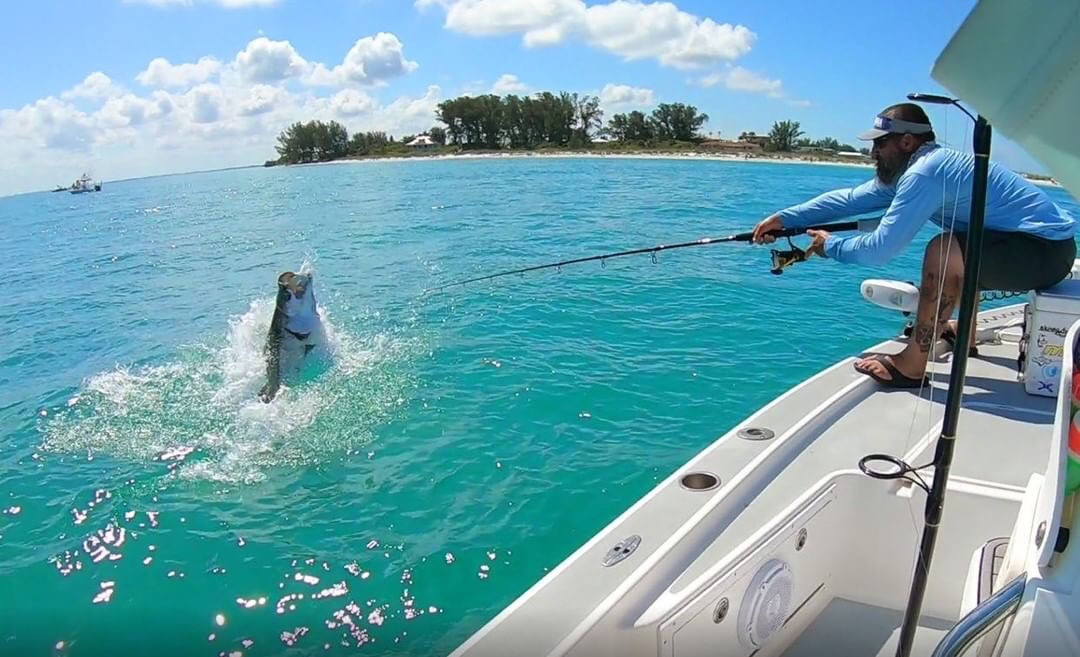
936, 186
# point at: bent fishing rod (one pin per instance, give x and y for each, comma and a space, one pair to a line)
780, 259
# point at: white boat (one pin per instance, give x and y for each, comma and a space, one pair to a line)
783, 538
84, 184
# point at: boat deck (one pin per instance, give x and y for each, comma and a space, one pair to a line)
999, 421
853, 629
821, 427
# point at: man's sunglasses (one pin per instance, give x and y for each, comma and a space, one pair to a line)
884, 139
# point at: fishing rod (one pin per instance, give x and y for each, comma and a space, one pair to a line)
946, 443
780, 259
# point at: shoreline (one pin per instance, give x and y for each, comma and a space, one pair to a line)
631, 155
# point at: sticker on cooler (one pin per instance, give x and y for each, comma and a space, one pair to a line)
1050, 314
1046, 361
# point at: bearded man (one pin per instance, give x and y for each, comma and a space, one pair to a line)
1028, 241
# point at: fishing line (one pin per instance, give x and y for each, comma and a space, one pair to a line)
904, 468
780, 259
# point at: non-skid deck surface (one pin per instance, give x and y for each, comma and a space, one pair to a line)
852, 629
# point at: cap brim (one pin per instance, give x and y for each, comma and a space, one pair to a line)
871, 135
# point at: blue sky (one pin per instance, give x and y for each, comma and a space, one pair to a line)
82, 93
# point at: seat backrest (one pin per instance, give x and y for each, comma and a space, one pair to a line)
1022, 540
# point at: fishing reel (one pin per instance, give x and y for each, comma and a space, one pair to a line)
781, 260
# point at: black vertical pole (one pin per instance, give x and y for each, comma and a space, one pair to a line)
935, 502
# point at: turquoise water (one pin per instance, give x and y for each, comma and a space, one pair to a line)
459, 446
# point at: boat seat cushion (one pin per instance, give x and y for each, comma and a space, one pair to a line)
983, 572
1002, 559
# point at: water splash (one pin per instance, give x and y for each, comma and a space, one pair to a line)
200, 417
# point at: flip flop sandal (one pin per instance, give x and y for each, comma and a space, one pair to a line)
898, 380
949, 336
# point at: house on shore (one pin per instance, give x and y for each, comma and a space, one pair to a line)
422, 143
728, 146
761, 141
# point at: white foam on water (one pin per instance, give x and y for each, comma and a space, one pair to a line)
201, 415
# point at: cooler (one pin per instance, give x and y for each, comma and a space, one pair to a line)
1048, 316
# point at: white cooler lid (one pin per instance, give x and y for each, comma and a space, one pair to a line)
1063, 298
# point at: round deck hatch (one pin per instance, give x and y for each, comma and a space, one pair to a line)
756, 433
699, 481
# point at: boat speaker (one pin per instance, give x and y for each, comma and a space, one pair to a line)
765, 604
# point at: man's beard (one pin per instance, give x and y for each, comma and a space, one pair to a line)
889, 170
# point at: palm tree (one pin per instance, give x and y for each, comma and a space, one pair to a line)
784, 134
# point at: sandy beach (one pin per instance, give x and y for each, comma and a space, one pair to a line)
671, 155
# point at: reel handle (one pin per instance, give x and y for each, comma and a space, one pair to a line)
784, 259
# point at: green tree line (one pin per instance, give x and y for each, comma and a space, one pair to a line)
316, 141
788, 136
564, 119
542, 120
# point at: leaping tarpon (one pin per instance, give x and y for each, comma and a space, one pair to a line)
295, 329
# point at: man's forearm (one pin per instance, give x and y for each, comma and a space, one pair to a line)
837, 204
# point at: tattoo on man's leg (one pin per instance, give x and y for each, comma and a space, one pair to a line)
945, 307
924, 337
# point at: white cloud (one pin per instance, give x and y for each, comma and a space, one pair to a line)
615, 97
635, 30
261, 99
264, 60
350, 102
161, 73
508, 84
407, 114
204, 103
131, 111
321, 76
358, 112
204, 114
661, 30
48, 123
737, 78
96, 86
372, 60
491, 17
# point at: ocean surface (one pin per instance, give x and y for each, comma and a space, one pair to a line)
458, 444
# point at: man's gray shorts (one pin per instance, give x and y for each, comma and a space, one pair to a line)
1020, 262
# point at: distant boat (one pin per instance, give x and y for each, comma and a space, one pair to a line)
85, 184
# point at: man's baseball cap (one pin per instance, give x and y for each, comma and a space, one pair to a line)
884, 125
